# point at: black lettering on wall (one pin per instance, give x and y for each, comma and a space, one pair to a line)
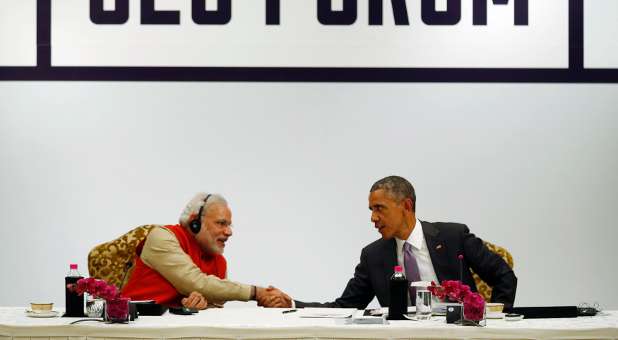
118, 16
451, 16
347, 16
479, 14
521, 12
221, 16
400, 12
273, 12
150, 16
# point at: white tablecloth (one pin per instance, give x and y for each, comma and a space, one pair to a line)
260, 323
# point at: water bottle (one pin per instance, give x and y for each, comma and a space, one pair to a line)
74, 303
398, 289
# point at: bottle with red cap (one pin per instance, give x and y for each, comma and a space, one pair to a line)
398, 292
74, 303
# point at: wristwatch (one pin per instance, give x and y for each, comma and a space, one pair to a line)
253, 293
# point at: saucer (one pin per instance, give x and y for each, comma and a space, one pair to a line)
46, 314
494, 315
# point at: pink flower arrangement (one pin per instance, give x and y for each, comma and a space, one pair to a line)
97, 288
117, 307
474, 304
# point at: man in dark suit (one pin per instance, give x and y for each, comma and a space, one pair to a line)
428, 252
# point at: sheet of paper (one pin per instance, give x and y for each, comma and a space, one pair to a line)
359, 318
330, 313
384, 310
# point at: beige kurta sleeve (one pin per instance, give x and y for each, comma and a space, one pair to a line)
163, 253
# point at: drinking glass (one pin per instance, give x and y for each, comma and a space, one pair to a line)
423, 300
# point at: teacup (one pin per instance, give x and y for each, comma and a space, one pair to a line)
494, 307
41, 307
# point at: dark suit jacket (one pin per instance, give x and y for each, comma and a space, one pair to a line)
445, 242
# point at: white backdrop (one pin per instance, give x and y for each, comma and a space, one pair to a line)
529, 167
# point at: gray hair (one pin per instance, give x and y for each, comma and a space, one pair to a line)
398, 187
193, 207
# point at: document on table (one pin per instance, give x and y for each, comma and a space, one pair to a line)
328, 313
384, 310
360, 318
437, 309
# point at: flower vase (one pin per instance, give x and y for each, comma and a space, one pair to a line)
474, 314
117, 310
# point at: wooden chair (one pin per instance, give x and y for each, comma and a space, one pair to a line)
113, 261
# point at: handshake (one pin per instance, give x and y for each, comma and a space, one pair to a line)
272, 297
265, 297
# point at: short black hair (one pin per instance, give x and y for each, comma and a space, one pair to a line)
398, 187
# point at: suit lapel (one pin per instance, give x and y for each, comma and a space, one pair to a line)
437, 249
389, 256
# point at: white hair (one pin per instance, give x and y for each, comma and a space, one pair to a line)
193, 207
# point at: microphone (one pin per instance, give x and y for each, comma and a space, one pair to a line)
460, 258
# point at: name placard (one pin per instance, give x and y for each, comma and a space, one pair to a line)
310, 33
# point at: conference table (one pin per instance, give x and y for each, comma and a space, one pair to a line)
261, 323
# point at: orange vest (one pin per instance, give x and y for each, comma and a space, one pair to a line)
146, 283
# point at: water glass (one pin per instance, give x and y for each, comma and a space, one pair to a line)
423, 300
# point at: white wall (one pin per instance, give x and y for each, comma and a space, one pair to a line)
529, 167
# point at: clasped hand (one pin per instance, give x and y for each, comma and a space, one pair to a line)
272, 297
266, 297
195, 300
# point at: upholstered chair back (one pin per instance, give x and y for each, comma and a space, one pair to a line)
483, 288
113, 261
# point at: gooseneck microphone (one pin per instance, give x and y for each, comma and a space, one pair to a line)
460, 258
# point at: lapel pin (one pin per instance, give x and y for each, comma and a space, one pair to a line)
438, 247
